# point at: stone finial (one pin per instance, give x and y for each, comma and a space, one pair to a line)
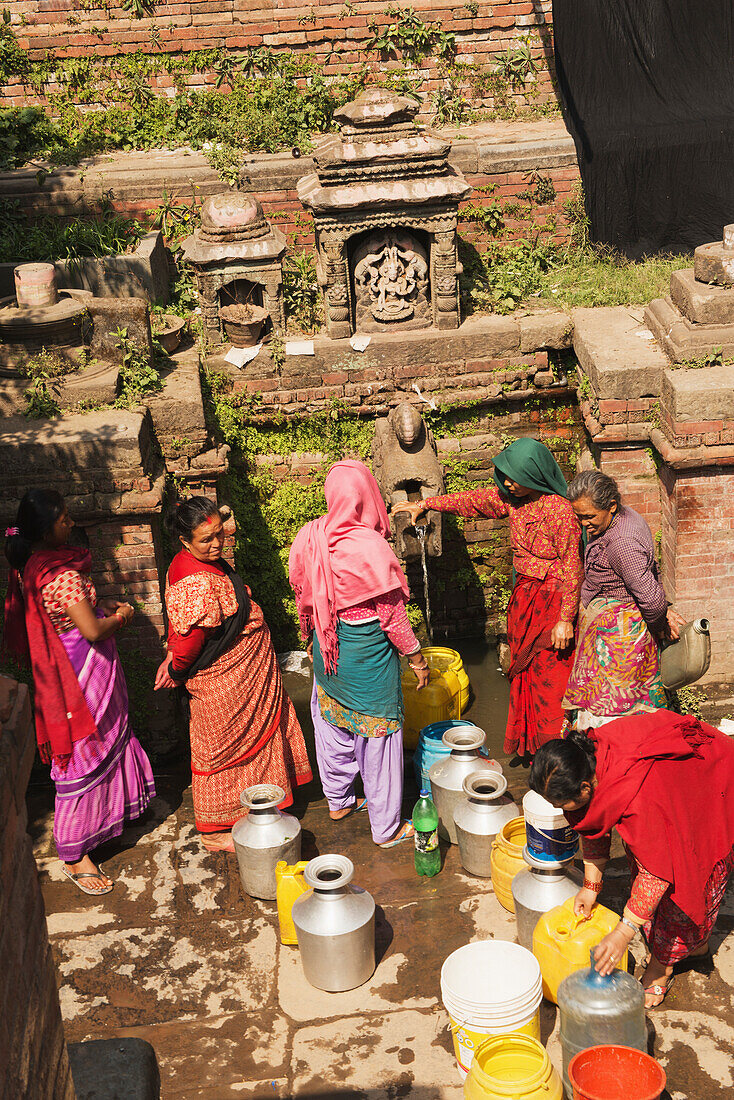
377, 107
230, 210
728, 238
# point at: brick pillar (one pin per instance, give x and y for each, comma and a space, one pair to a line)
33, 1055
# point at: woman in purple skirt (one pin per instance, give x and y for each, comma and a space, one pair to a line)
103, 777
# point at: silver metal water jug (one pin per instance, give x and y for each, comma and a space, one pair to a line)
479, 818
544, 885
263, 838
688, 659
335, 923
447, 776
600, 1010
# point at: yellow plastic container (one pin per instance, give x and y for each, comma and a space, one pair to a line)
468, 1038
433, 703
289, 885
449, 661
507, 861
512, 1066
562, 942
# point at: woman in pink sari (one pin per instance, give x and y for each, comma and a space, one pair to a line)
102, 775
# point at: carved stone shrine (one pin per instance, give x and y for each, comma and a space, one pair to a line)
237, 258
385, 204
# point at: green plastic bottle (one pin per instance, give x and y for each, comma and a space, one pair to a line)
425, 823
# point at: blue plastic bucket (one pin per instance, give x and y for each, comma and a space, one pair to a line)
431, 748
549, 835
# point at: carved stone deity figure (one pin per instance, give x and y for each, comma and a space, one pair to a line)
391, 282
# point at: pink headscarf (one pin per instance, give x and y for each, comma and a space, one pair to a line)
343, 558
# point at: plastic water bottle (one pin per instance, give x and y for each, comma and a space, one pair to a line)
425, 823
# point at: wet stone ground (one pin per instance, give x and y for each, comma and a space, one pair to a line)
177, 955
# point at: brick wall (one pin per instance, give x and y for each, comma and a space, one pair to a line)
335, 33
33, 1056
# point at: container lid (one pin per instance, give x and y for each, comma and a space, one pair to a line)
545, 864
539, 807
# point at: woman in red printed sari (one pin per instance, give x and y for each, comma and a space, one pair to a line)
545, 538
664, 782
101, 773
243, 726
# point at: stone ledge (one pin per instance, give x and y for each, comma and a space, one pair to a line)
705, 395
699, 302
683, 340
617, 354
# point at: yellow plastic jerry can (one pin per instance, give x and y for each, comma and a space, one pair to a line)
289, 884
562, 942
433, 703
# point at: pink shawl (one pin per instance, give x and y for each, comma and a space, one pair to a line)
343, 558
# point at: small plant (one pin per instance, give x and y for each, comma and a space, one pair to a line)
301, 291
138, 374
472, 7
489, 217
517, 65
449, 106
715, 358
41, 403
542, 189
139, 9
277, 350
577, 218
409, 37
174, 219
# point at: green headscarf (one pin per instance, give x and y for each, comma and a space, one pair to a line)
527, 462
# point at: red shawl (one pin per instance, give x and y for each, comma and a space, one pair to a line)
186, 648
665, 781
343, 558
62, 714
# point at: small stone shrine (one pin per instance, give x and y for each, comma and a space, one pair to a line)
385, 204
237, 258
697, 319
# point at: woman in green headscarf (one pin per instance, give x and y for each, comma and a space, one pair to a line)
545, 540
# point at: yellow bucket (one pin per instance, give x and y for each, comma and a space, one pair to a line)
507, 860
468, 1038
515, 1067
433, 703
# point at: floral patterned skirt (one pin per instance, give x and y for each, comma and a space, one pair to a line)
616, 670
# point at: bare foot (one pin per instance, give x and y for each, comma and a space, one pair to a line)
658, 975
86, 867
218, 842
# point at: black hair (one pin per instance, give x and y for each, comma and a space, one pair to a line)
188, 515
601, 489
37, 513
561, 766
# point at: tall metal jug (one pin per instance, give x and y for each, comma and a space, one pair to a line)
544, 885
335, 922
600, 1010
688, 659
479, 818
263, 838
447, 776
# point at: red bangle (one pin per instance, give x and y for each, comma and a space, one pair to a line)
593, 886
120, 617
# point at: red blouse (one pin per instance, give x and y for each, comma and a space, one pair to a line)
545, 535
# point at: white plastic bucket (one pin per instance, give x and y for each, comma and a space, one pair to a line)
549, 836
490, 988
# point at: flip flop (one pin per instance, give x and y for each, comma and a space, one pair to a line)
87, 874
359, 807
407, 832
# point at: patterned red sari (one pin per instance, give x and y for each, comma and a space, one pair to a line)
243, 727
538, 673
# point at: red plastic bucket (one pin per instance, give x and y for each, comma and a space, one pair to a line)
615, 1073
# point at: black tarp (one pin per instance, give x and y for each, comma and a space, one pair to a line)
647, 89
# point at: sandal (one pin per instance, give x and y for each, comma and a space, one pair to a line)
659, 991
359, 807
407, 832
90, 890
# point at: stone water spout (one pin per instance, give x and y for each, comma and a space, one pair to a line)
405, 463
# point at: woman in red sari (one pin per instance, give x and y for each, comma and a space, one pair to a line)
664, 782
243, 727
545, 538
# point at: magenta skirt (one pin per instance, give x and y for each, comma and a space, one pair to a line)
108, 779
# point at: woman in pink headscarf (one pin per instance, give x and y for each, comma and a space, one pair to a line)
351, 594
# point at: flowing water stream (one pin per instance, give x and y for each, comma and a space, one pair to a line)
421, 531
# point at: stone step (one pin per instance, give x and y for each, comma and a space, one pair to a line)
617, 353
683, 340
701, 303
